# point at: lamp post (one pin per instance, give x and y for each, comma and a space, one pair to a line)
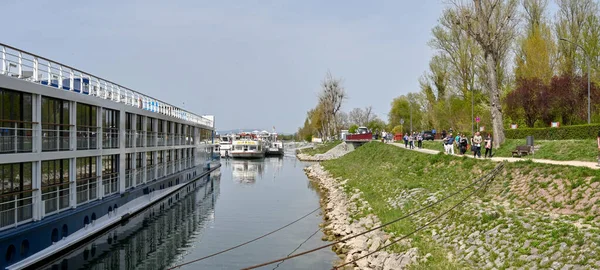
587, 59
472, 111
410, 104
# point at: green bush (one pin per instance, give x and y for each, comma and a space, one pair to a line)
578, 132
353, 128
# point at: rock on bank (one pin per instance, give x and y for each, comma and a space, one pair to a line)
333, 153
338, 208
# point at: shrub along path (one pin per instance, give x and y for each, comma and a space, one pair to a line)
577, 163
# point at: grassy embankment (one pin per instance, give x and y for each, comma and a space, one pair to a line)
584, 150
516, 207
321, 148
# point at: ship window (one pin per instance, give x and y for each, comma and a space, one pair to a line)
252, 147
110, 174
55, 184
25, 248
65, 231
10, 253
55, 124
54, 236
86, 179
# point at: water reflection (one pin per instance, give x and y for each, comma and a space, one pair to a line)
152, 239
246, 171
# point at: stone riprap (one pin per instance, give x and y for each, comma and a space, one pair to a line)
333, 153
338, 207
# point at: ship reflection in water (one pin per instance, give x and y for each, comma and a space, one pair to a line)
151, 239
246, 171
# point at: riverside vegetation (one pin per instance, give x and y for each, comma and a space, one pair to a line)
531, 215
583, 150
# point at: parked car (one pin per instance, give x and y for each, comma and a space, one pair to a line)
427, 135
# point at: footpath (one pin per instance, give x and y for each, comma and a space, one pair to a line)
576, 163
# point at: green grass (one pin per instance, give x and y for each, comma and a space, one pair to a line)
321, 148
381, 171
583, 150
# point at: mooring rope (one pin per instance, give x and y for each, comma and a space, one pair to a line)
489, 175
247, 242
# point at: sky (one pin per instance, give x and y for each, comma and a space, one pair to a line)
251, 64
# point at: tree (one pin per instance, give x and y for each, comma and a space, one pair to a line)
523, 100
361, 117
331, 98
353, 128
536, 50
491, 24
572, 18
401, 108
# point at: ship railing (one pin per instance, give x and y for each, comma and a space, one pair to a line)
55, 137
16, 209
169, 167
170, 139
139, 176
161, 138
129, 174
139, 138
151, 139
56, 198
110, 183
87, 137
150, 173
110, 137
16, 136
30, 67
160, 170
129, 138
87, 189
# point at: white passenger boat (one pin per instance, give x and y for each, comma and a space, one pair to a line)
275, 146
248, 146
225, 146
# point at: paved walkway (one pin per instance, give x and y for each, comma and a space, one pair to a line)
591, 165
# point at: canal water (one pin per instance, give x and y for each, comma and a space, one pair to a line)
242, 200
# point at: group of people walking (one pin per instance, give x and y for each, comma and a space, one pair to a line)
462, 143
409, 140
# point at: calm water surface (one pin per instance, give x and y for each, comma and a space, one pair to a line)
242, 200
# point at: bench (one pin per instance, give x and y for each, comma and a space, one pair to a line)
522, 150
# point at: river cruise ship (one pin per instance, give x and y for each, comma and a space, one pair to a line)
80, 154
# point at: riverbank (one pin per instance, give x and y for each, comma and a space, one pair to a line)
324, 152
532, 215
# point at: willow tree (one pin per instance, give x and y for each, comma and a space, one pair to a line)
491, 23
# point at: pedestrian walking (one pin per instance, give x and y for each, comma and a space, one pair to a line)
450, 144
405, 140
411, 142
420, 140
463, 144
383, 136
488, 145
444, 133
433, 133
477, 140
457, 141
